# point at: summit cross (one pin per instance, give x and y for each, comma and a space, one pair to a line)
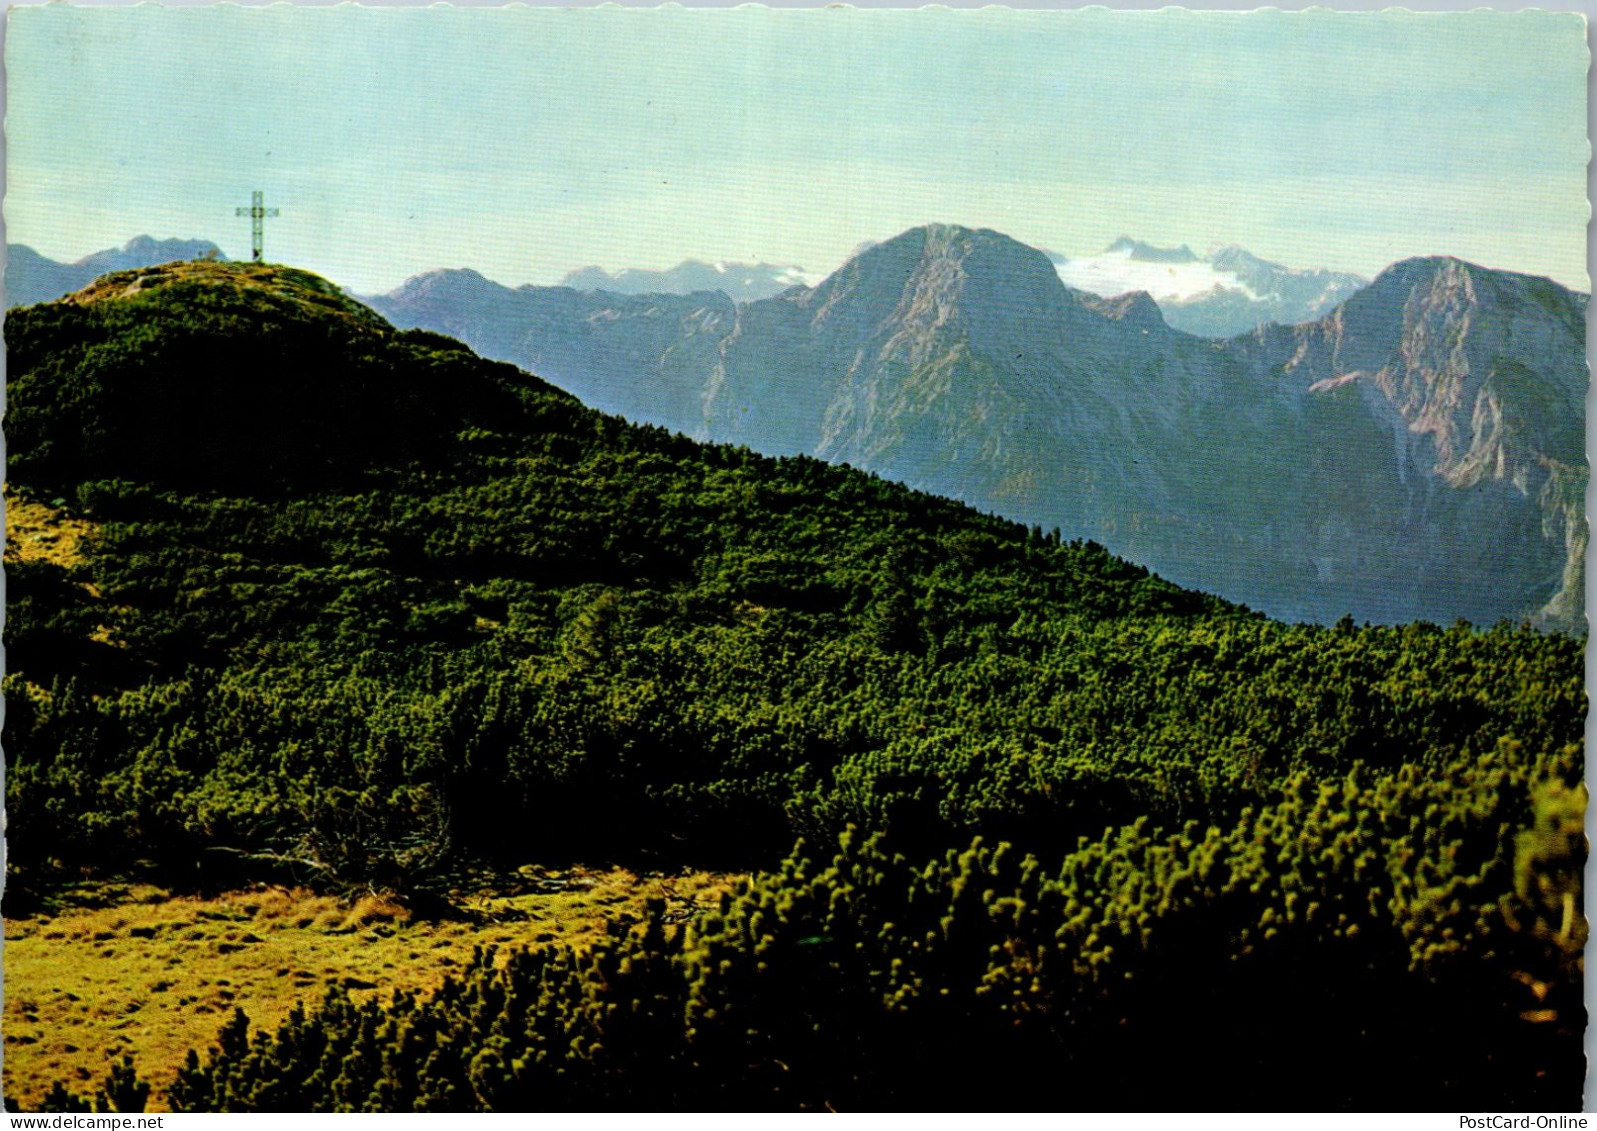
257, 212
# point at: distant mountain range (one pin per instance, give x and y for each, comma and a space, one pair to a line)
1417, 452
31, 278
1228, 292
741, 282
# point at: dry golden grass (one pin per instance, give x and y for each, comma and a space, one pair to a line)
156, 975
39, 533
298, 286
125, 284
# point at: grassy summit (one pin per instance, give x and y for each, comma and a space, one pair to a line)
260, 280
355, 608
240, 376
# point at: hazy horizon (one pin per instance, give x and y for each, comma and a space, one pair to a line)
526, 143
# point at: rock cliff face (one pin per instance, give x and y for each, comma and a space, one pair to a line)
1479, 380
1418, 453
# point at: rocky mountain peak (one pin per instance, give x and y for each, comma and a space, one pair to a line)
1430, 270
1147, 253
1480, 373
147, 251
458, 282
941, 271
1233, 257
1435, 303
1136, 310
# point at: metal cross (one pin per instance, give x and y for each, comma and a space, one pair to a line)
257, 212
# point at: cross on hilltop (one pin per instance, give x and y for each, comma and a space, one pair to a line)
257, 212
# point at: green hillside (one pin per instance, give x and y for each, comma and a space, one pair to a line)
355, 604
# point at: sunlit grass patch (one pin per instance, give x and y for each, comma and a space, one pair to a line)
155, 975
39, 532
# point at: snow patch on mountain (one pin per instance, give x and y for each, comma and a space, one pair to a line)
1114, 272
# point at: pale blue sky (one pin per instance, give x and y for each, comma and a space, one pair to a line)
526, 142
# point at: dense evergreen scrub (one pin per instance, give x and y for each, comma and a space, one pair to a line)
364, 609
1369, 941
